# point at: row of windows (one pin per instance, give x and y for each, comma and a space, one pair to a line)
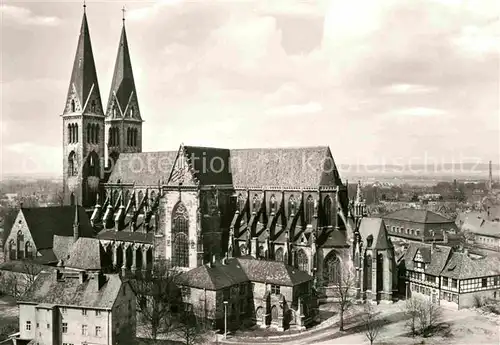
132, 137
401, 230
309, 210
85, 331
72, 133
486, 239
454, 282
114, 136
450, 297
92, 133
84, 311
19, 249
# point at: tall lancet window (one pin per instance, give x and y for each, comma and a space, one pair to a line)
272, 204
309, 210
292, 206
327, 205
241, 202
72, 165
73, 106
180, 232
302, 261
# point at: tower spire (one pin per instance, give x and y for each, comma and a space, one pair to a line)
83, 90
122, 102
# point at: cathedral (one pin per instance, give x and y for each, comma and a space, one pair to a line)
193, 205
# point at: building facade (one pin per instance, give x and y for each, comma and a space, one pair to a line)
418, 225
449, 277
77, 308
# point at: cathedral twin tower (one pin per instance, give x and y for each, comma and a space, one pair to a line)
90, 132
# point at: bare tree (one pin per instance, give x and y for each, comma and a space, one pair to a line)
157, 298
191, 328
371, 323
430, 315
346, 283
412, 311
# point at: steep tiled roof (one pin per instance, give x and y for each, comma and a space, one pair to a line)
145, 168
62, 246
438, 257
69, 292
243, 269
374, 227
333, 238
462, 266
272, 272
284, 167
86, 254
45, 222
302, 167
417, 216
211, 165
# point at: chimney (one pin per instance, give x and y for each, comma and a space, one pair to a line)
100, 280
445, 236
82, 276
57, 275
76, 226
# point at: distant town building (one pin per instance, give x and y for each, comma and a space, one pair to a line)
418, 225
77, 308
485, 233
33, 232
449, 277
262, 292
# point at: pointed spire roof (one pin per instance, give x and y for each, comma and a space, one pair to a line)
83, 83
359, 194
123, 92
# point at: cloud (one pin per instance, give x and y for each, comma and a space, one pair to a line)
418, 112
478, 40
24, 16
401, 89
144, 13
296, 109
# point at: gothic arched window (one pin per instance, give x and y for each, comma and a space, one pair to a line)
117, 136
272, 204
327, 204
241, 202
309, 210
89, 133
140, 196
180, 232
73, 106
96, 134
255, 203
302, 261
135, 137
131, 111
29, 250
20, 245
291, 206
93, 164
12, 250
278, 255
76, 132
72, 164
69, 133
331, 269
93, 106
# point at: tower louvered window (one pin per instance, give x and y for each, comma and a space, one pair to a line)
180, 232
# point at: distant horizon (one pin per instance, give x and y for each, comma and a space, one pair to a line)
397, 79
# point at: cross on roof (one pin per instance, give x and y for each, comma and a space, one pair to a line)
123, 11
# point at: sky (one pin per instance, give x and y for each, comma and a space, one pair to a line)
379, 81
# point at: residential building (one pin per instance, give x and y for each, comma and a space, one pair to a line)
452, 278
418, 225
262, 292
484, 233
77, 308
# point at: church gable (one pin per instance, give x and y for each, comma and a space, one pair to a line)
93, 104
181, 173
73, 103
